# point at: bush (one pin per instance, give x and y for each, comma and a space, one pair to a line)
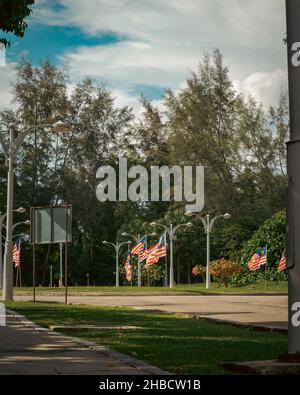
225, 271
272, 233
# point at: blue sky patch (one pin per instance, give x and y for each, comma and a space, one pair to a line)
49, 42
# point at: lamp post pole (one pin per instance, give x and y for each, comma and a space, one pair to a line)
8, 267
2, 217
117, 265
60, 280
10, 152
293, 163
208, 230
137, 240
208, 225
171, 230
117, 247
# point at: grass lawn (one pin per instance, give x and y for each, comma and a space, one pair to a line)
259, 286
170, 341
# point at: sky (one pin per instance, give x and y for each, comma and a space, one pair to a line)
144, 47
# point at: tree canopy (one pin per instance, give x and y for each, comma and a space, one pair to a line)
240, 143
13, 14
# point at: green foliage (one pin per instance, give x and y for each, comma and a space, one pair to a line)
151, 276
225, 271
222, 270
13, 14
272, 233
240, 144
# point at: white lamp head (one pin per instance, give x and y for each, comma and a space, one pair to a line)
227, 216
60, 127
20, 210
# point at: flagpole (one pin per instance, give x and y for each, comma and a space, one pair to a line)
17, 272
266, 266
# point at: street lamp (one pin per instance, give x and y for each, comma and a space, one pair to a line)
10, 151
21, 223
171, 230
19, 210
117, 247
137, 240
208, 225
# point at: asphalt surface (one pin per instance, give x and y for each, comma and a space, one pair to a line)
270, 311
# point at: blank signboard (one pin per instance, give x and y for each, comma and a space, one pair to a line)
51, 224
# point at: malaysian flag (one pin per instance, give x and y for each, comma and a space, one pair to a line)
144, 255
282, 264
258, 259
139, 248
128, 268
17, 252
151, 260
159, 250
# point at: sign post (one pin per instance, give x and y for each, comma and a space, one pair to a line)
51, 225
293, 165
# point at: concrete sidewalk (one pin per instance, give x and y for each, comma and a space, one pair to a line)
26, 349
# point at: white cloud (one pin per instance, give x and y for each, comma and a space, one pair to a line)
164, 41
7, 74
132, 63
255, 23
167, 39
264, 87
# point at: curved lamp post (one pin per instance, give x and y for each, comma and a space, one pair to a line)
171, 230
10, 150
19, 210
117, 247
208, 224
137, 240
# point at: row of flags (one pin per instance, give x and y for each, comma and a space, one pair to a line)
260, 258
158, 250
151, 255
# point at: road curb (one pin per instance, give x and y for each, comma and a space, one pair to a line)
133, 362
254, 327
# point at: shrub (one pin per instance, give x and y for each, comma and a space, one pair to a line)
272, 233
224, 271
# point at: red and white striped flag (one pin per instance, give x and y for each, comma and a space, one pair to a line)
258, 259
17, 253
151, 260
138, 249
128, 268
158, 250
144, 255
282, 264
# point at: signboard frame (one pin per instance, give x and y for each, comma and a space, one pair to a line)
51, 228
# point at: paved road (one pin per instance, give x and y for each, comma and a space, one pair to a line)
266, 310
25, 349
